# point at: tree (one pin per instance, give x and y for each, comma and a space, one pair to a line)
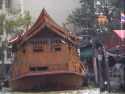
13, 22
117, 8
85, 17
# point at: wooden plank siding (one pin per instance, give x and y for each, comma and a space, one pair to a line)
45, 50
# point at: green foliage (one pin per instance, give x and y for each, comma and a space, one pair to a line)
14, 21
114, 17
82, 17
11, 23
85, 15
27, 18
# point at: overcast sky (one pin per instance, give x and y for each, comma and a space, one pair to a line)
58, 9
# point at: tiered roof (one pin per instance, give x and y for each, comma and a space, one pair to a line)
44, 20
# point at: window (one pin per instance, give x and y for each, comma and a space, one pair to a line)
58, 49
9, 54
24, 51
56, 45
42, 68
38, 50
1, 3
115, 75
7, 3
39, 45
35, 69
56, 42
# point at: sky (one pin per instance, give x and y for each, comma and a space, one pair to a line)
57, 9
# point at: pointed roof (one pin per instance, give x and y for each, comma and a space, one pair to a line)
44, 20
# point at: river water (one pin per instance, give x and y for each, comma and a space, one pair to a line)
84, 91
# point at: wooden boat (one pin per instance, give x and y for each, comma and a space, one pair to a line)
46, 57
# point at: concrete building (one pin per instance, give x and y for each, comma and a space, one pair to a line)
5, 4
5, 55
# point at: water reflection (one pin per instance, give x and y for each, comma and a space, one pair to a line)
86, 91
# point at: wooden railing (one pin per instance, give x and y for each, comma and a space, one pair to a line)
50, 68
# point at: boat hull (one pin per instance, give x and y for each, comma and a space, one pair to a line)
48, 81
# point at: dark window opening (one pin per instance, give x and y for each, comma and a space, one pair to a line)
39, 69
7, 3
14, 48
42, 68
1, 3
116, 76
56, 42
33, 69
73, 38
58, 49
9, 53
24, 51
1, 55
39, 45
111, 61
38, 50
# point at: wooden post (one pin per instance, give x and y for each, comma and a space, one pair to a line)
95, 70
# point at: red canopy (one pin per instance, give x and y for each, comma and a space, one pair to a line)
120, 33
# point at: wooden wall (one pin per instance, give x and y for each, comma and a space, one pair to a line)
57, 54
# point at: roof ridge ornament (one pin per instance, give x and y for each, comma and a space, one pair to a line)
43, 20
44, 12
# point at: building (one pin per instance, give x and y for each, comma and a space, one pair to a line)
117, 76
6, 5
116, 59
46, 57
5, 59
